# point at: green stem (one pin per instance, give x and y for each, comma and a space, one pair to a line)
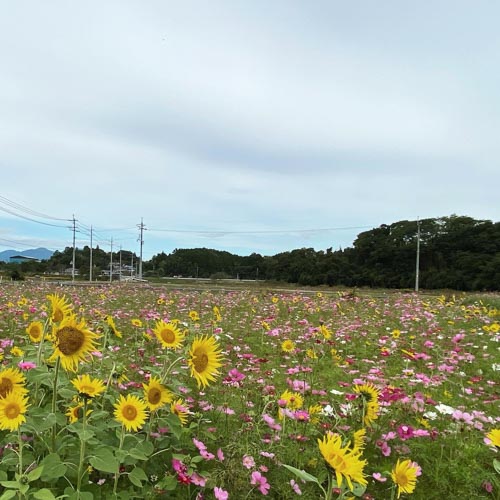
54, 401
117, 474
20, 450
329, 490
82, 450
169, 369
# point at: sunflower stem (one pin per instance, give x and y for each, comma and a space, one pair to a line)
82, 450
167, 370
20, 454
117, 474
54, 401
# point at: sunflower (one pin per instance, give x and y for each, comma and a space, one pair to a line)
11, 380
130, 412
194, 316
112, 327
217, 314
404, 475
75, 412
288, 345
494, 437
72, 342
294, 400
35, 331
136, 322
156, 395
205, 359
60, 307
359, 439
17, 352
369, 395
325, 332
345, 462
12, 410
88, 387
168, 334
314, 412
180, 409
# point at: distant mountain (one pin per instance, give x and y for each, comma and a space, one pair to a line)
37, 253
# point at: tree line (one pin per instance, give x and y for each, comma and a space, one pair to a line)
455, 252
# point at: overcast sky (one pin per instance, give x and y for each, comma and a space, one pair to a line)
248, 126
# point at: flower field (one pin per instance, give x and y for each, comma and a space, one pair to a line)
147, 392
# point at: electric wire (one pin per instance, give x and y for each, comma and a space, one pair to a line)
27, 210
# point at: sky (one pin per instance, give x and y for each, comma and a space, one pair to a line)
246, 126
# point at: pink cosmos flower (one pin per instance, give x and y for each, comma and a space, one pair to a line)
261, 481
378, 477
26, 365
248, 461
220, 494
295, 487
405, 432
220, 455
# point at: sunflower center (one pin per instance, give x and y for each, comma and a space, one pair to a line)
58, 315
35, 332
6, 386
154, 396
129, 412
70, 340
12, 411
168, 335
401, 479
338, 463
200, 362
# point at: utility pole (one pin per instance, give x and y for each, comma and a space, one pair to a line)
111, 263
90, 270
141, 240
417, 270
120, 271
74, 249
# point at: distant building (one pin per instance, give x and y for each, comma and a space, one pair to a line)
18, 259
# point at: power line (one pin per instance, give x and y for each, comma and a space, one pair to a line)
270, 231
32, 220
27, 210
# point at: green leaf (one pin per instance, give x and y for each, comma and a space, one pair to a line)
302, 474
169, 483
53, 468
11, 484
136, 453
146, 447
104, 460
3, 475
7, 495
496, 465
136, 476
358, 489
35, 473
44, 494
